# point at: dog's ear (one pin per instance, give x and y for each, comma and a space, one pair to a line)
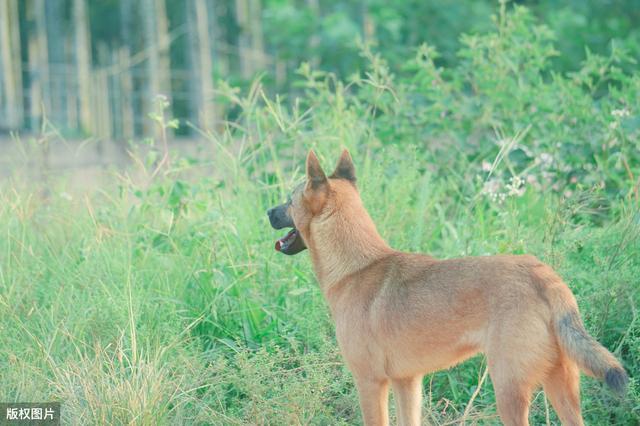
316, 179
345, 168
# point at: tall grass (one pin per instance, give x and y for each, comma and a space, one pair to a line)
159, 298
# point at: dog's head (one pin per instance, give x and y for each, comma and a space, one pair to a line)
311, 200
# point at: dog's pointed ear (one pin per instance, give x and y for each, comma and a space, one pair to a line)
345, 168
315, 175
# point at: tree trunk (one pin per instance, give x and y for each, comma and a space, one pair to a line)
203, 106
126, 22
71, 88
244, 39
164, 58
38, 63
257, 38
314, 40
250, 40
125, 79
217, 34
103, 94
55, 19
126, 95
83, 64
11, 81
156, 39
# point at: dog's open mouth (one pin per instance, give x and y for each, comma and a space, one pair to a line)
279, 218
291, 243
285, 242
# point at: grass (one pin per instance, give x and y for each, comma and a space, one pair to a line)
159, 299
129, 315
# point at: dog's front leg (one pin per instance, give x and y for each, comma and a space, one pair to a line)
374, 400
408, 396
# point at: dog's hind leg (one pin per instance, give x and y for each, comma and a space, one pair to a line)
513, 401
515, 370
520, 353
562, 387
408, 396
374, 400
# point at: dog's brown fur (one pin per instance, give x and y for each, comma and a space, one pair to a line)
399, 316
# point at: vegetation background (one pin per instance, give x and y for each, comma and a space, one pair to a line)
156, 296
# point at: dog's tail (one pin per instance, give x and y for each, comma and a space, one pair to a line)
592, 358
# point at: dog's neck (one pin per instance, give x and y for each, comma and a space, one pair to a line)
343, 243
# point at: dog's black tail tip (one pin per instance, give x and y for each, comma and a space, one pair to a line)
617, 380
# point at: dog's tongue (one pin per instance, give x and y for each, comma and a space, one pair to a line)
285, 240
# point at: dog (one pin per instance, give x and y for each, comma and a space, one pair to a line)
399, 316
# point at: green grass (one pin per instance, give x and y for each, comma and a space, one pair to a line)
160, 300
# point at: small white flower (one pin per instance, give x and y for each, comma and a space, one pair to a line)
624, 112
545, 158
516, 187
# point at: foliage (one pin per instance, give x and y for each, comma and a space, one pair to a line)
162, 301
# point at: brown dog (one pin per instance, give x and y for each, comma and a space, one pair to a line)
400, 315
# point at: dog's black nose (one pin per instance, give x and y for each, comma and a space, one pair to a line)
273, 217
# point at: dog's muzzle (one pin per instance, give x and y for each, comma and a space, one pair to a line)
279, 218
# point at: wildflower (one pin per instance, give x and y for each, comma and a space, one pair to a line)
624, 112
515, 187
545, 158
